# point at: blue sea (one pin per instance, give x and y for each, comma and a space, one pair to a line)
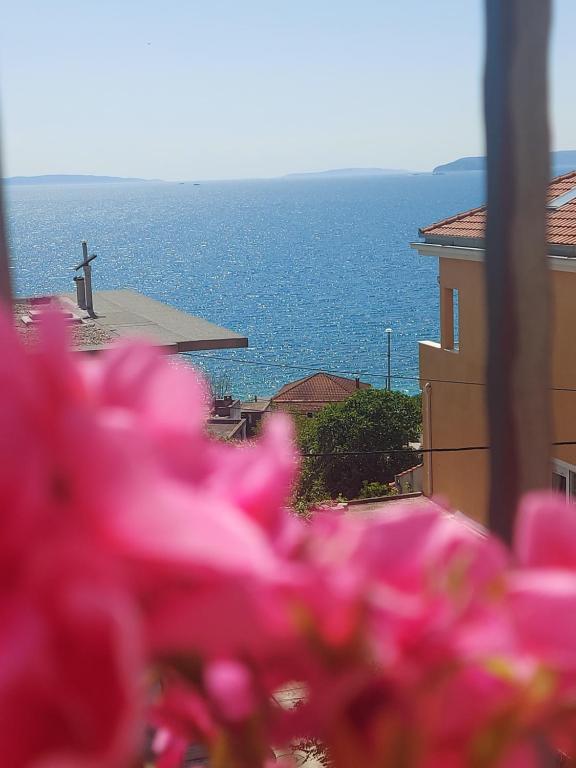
312, 270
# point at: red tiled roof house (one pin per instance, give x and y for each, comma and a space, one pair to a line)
312, 393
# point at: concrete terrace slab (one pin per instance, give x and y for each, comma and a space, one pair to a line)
367, 507
126, 313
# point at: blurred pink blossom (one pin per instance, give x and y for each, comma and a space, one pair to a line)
145, 566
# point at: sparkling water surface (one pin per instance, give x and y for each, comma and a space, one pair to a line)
313, 271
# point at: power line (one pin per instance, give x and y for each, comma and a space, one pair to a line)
270, 364
394, 451
372, 374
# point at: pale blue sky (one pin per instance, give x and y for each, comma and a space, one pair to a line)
183, 89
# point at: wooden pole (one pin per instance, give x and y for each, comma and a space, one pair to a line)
87, 279
5, 276
518, 374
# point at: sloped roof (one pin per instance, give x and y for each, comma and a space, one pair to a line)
312, 392
470, 225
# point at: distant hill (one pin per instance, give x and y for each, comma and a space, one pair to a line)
69, 179
462, 164
347, 172
562, 161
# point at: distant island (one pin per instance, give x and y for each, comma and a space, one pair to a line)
562, 161
347, 172
70, 179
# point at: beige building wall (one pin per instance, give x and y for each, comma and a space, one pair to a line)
454, 414
564, 364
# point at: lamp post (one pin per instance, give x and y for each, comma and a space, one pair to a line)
388, 381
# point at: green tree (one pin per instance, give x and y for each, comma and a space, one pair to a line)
370, 420
371, 488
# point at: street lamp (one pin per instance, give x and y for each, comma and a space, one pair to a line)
388, 382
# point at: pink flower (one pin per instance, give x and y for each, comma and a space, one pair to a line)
70, 645
181, 715
543, 604
452, 643
407, 572
229, 685
545, 533
129, 539
122, 522
70, 663
192, 501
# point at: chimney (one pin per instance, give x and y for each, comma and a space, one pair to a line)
80, 291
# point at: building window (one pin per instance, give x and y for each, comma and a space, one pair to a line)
450, 319
564, 479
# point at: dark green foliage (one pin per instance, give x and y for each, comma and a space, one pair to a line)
370, 420
311, 488
371, 489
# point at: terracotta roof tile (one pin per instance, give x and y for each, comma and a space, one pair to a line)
313, 392
471, 224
